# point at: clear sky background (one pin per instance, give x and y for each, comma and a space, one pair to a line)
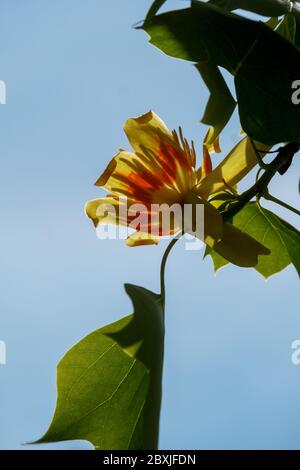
75, 71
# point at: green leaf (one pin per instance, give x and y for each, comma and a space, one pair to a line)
109, 384
263, 79
218, 260
290, 238
221, 103
281, 238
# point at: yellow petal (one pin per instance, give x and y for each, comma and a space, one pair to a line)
159, 171
105, 210
169, 158
141, 238
135, 177
150, 223
213, 146
146, 131
206, 167
208, 148
239, 248
115, 173
232, 169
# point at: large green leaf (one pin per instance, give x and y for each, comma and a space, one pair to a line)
263, 63
281, 238
109, 384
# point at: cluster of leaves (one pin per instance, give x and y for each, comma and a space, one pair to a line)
211, 37
109, 384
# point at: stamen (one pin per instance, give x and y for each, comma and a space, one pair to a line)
193, 154
188, 149
175, 135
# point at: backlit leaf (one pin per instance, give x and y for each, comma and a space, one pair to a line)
281, 238
109, 384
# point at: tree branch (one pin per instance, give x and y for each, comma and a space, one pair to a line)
261, 186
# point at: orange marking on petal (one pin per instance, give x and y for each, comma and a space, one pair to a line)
207, 164
168, 162
172, 158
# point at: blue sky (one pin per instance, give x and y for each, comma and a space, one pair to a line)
75, 70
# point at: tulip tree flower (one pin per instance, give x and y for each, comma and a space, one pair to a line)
161, 170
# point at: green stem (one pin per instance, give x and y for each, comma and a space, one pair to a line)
163, 269
156, 5
268, 197
153, 403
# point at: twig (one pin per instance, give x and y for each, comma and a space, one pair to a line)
260, 187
